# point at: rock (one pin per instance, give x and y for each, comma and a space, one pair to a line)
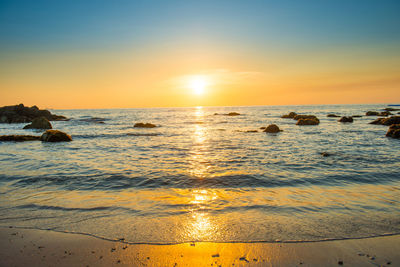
263, 128
21, 114
93, 120
144, 125
387, 121
345, 119
372, 113
39, 123
357, 116
310, 121
228, 114
19, 138
55, 136
272, 128
298, 117
385, 113
394, 131
291, 115
392, 109
232, 114
251, 131
325, 154
332, 116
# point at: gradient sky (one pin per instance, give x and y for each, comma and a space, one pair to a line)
111, 54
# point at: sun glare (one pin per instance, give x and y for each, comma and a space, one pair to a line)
198, 84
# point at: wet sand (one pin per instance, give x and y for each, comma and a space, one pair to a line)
25, 247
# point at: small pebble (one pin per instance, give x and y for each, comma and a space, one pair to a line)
193, 244
148, 258
361, 254
388, 263
340, 262
112, 249
100, 257
215, 255
118, 261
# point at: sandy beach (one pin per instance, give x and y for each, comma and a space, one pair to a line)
26, 247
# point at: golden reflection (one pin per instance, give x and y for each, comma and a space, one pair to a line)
199, 225
199, 163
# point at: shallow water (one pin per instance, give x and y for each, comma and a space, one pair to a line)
202, 177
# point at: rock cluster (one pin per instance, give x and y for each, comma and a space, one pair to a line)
20, 114
387, 121
306, 120
375, 113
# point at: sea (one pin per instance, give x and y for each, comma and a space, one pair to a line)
198, 176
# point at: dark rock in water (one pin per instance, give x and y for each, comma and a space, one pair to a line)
385, 113
325, 154
356, 116
394, 131
251, 131
39, 123
311, 121
144, 125
20, 114
263, 128
232, 114
228, 114
298, 117
345, 119
372, 113
291, 115
387, 121
272, 128
19, 138
55, 136
93, 120
332, 116
392, 109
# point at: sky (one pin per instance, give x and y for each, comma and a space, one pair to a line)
128, 54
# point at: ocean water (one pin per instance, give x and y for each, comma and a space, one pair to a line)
202, 177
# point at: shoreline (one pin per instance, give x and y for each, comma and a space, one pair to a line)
22, 247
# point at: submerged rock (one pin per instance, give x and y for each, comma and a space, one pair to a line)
332, 116
39, 123
387, 121
291, 115
394, 131
144, 125
325, 154
357, 116
345, 119
272, 128
308, 121
55, 136
385, 113
93, 120
19, 138
371, 113
20, 114
232, 114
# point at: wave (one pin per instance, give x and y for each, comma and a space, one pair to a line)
121, 181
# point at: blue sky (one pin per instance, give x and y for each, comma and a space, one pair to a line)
70, 24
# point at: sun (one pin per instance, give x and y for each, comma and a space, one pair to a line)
198, 84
